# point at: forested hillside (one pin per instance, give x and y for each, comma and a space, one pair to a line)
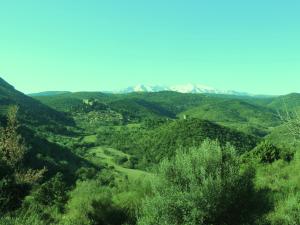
92, 158
32, 111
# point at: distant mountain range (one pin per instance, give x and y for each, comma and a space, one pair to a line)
49, 93
185, 88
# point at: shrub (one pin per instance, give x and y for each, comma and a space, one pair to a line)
52, 192
287, 212
120, 160
86, 173
92, 204
269, 153
205, 185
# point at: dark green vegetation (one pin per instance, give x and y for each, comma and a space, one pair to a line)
148, 158
32, 112
151, 143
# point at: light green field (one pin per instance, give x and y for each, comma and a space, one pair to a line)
104, 155
107, 156
90, 139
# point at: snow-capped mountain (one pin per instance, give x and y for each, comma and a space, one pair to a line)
193, 88
184, 88
144, 88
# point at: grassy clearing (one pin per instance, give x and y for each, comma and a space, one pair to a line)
103, 155
90, 139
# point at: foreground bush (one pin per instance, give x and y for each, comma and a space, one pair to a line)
90, 204
205, 185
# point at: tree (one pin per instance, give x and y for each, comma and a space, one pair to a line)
12, 147
204, 185
52, 192
14, 177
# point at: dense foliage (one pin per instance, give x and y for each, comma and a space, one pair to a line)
151, 144
15, 178
204, 185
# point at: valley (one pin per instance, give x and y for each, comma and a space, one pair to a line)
129, 158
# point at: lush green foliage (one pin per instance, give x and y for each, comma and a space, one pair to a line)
15, 178
31, 111
282, 178
152, 145
204, 185
238, 114
92, 204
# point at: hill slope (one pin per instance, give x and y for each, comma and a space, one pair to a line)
154, 144
236, 113
36, 118
290, 102
31, 110
165, 140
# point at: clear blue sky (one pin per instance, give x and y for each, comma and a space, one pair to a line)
251, 46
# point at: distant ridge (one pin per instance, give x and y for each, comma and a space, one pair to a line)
49, 93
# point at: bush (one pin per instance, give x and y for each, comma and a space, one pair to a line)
283, 179
86, 173
287, 212
269, 153
120, 160
205, 185
52, 192
11, 193
92, 204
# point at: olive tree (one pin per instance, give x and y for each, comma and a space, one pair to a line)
205, 185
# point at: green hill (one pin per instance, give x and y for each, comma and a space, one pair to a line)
31, 110
36, 122
162, 141
254, 115
140, 109
290, 102
69, 101
165, 140
130, 106
171, 101
281, 136
237, 114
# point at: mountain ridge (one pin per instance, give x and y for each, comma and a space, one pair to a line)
181, 88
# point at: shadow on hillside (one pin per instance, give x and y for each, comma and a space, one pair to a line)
54, 157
